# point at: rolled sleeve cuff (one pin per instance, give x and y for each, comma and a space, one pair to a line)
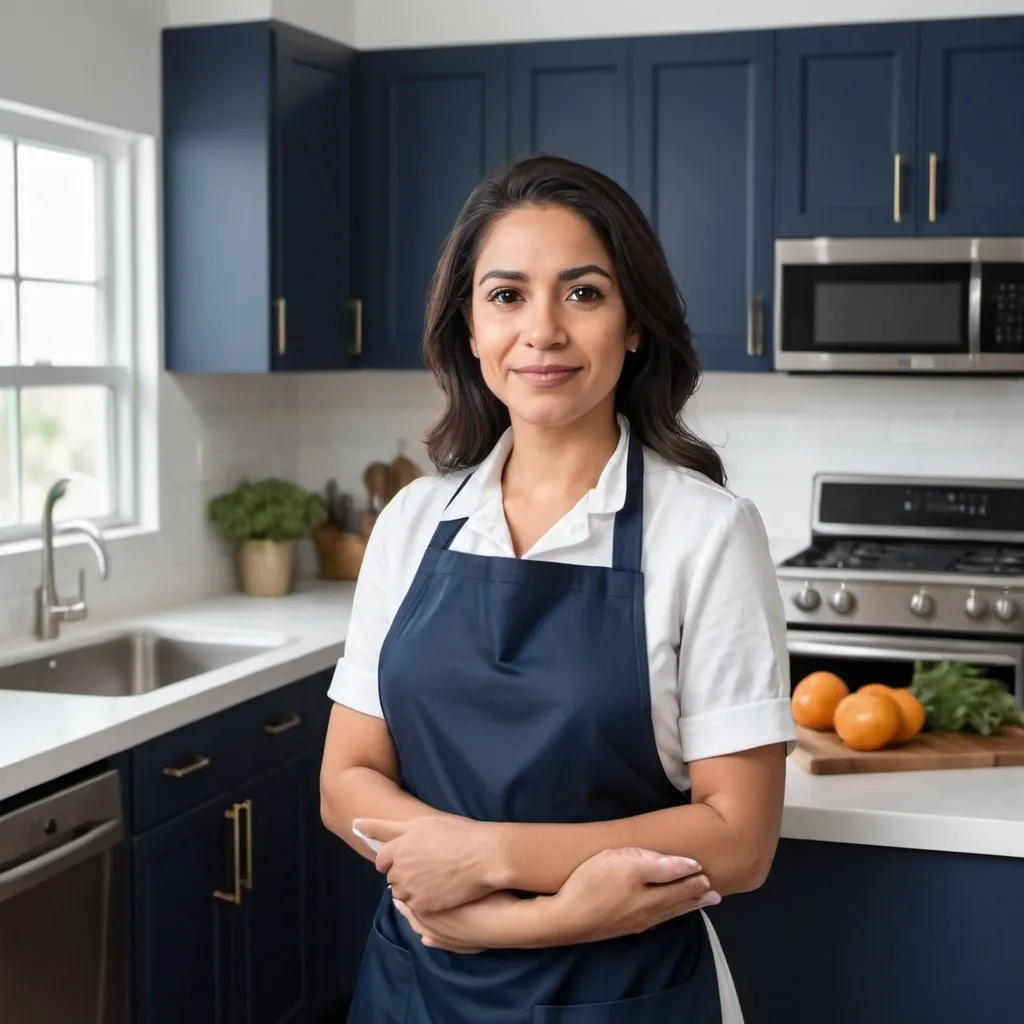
742, 727
356, 688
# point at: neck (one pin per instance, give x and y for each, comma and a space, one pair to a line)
550, 462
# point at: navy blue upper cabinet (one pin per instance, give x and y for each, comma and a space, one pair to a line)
432, 123
256, 194
847, 131
571, 99
703, 173
972, 127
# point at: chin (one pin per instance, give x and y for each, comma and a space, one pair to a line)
549, 411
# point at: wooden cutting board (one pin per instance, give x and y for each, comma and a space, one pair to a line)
824, 753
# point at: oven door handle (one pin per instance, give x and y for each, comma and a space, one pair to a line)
883, 652
31, 872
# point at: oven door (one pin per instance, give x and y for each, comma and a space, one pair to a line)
861, 658
876, 305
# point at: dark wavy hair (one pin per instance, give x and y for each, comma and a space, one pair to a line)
657, 380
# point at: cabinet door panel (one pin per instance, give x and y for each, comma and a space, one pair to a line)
434, 125
972, 120
847, 102
312, 190
571, 99
703, 155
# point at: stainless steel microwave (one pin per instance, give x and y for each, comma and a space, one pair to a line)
900, 305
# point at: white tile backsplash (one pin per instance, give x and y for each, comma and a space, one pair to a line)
774, 433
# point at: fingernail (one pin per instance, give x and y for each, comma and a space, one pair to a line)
710, 899
681, 862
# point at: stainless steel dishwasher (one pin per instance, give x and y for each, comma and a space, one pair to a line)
62, 904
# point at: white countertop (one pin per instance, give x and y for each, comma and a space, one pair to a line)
42, 736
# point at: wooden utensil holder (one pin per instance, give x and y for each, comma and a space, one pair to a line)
339, 553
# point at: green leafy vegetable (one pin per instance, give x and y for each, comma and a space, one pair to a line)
267, 510
960, 697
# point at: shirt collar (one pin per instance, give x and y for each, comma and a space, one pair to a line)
483, 490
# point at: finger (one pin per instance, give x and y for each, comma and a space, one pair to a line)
379, 829
385, 859
655, 869
450, 947
414, 922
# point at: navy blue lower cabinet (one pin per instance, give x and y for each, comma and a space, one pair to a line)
703, 130
571, 99
183, 937
429, 125
972, 127
847, 131
849, 934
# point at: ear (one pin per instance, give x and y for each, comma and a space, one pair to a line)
469, 330
633, 340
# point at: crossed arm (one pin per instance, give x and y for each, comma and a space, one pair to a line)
437, 862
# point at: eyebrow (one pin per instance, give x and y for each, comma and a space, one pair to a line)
569, 274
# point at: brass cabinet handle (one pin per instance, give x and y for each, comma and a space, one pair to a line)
282, 327
233, 815
276, 728
755, 325
356, 306
246, 805
897, 189
198, 763
933, 187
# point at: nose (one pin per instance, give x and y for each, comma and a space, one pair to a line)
544, 329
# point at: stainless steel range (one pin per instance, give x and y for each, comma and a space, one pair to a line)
900, 570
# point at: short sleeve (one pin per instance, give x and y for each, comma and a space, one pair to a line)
734, 686
373, 606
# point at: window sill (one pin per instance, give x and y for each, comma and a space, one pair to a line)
33, 545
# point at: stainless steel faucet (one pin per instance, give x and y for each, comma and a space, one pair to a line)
50, 613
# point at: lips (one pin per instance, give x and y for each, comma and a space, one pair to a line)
549, 376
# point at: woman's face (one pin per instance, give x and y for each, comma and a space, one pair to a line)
548, 322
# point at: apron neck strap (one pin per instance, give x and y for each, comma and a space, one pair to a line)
627, 545
448, 528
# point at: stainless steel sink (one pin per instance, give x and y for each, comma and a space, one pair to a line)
134, 662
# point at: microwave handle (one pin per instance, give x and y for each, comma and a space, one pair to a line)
755, 325
882, 652
974, 311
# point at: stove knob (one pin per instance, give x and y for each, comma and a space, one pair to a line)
807, 598
842, 601
922, 604
1005, 608
976, 606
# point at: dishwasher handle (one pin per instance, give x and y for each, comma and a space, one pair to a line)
29, 873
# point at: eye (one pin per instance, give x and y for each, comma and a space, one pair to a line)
584, 293
503, 296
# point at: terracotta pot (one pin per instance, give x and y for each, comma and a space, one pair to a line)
266, 566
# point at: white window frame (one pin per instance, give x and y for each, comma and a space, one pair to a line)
118, 183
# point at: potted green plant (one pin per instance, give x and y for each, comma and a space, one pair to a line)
264, 519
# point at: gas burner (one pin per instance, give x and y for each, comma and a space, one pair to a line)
910, 556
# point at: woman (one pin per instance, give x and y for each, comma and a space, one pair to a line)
562, 715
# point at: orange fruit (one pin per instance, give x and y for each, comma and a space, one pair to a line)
867, 721
815, 699
912, 714
875, 688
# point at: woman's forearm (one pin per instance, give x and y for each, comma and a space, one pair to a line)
364, 793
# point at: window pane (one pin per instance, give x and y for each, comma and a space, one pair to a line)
8, 324
6, 206
58, 323
56, 214
65, 432
8, 511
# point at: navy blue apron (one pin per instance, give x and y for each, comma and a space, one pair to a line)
518, 691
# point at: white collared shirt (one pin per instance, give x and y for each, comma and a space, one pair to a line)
716, 626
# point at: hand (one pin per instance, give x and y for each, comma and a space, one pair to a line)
435, 863
487, 923
627, 891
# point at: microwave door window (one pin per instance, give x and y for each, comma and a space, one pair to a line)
901, 317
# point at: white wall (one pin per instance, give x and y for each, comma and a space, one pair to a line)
774, 432
387, 23
334, 19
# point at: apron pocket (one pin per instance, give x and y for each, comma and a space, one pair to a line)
385, 982
690, 1002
